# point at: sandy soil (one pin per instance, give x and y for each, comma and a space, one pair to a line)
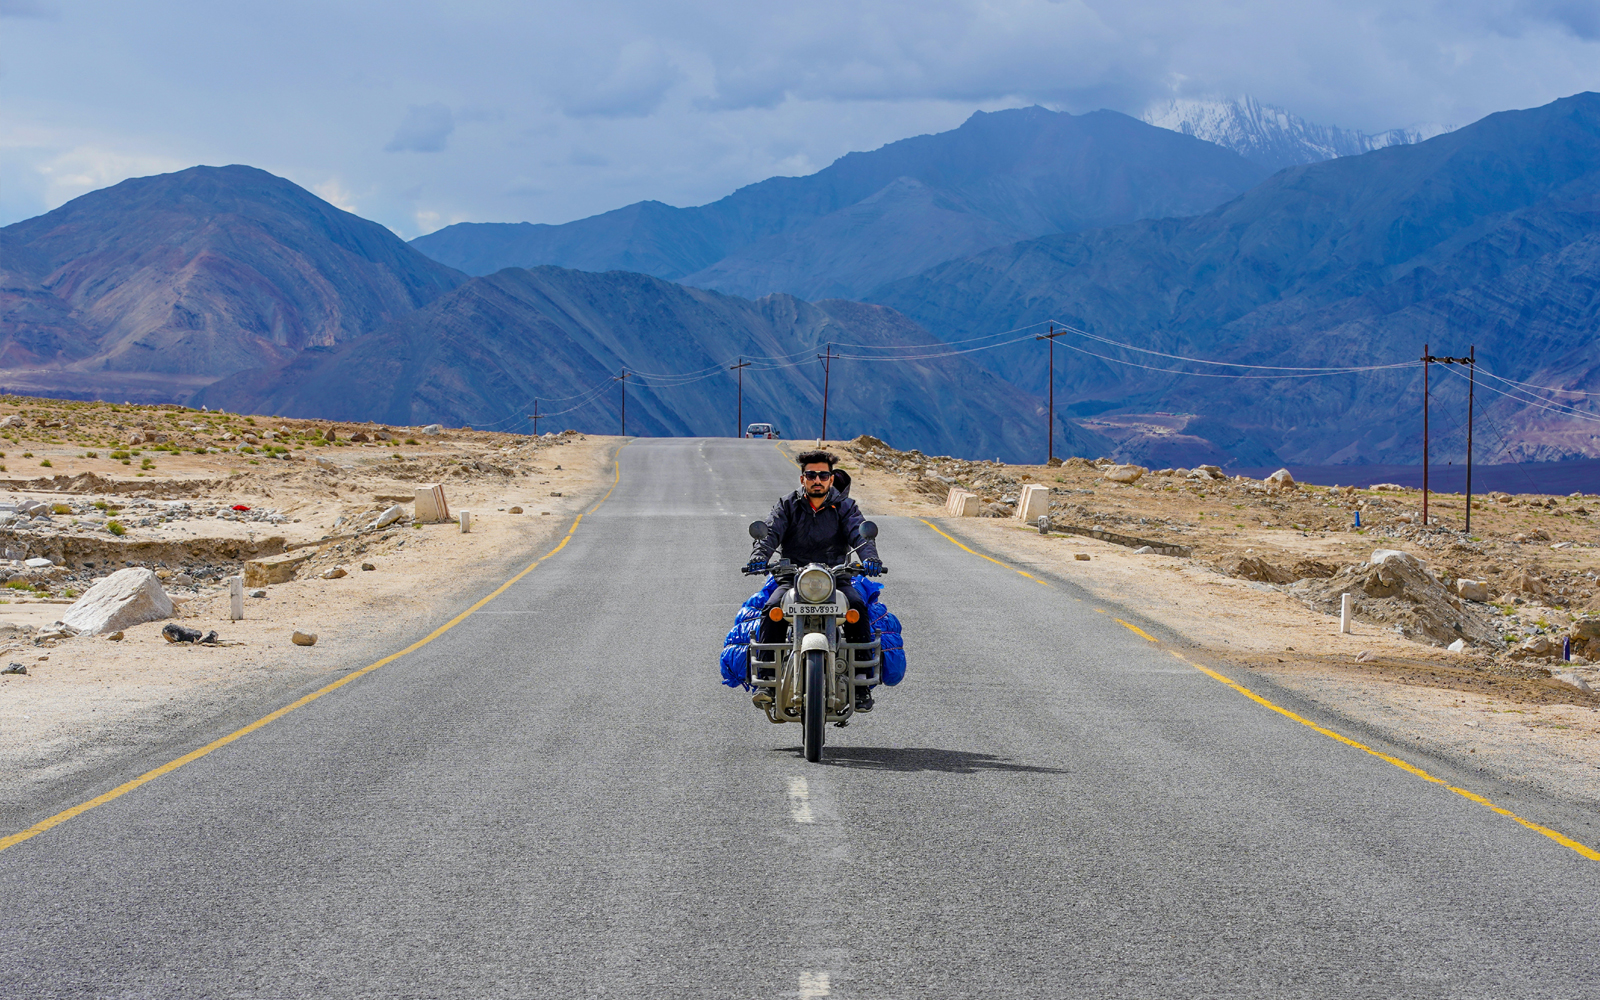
1484, 708
85, 699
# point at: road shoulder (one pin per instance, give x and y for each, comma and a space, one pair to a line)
92, 712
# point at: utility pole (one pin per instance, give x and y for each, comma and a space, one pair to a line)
1050, 418
825, 358
623, 378
535, 416
1428, 360
740, 367
1472, 388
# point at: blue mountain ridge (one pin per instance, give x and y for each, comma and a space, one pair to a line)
480, 355
1487, 236
874, 216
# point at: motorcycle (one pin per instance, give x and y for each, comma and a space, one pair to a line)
813, 675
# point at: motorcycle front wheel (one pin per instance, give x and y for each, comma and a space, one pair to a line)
815, 718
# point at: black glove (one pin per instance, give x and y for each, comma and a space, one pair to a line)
874, 567
755, 566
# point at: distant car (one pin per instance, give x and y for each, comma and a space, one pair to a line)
761, 431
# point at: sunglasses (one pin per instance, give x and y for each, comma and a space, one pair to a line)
816, 475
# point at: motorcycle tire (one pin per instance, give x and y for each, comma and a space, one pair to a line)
815, 719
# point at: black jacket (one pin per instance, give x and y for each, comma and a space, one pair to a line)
824, 535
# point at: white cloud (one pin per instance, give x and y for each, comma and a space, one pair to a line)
425, 129
635, 87
82, 169
336, 194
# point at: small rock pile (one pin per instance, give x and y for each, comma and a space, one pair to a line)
1396, 590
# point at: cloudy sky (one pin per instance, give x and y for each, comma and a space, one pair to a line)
419, 114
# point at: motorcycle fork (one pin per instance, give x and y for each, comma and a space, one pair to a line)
790, 694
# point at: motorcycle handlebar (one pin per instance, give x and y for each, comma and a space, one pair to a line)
850, 569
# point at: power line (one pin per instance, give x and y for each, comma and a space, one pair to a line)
1311, 374
1541, 388
950, 343
1541, 404
1224, 364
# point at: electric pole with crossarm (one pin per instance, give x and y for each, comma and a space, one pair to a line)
623, 378
740, 367
825, 358
1050, 418
1428, 360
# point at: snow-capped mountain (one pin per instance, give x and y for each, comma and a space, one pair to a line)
1273, 136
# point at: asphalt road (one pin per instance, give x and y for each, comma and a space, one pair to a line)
558, 799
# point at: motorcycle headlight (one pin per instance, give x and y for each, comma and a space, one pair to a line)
814, 585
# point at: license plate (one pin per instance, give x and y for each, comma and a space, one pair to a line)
791, 610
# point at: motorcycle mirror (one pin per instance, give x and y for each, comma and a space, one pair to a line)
758, 530
869, 530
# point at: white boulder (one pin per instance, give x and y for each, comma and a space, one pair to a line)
1382, 556
1124, 473
1472, 590
126, 598
389, 516
1568, 677
1281, 480
432, 429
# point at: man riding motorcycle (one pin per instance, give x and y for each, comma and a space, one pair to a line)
817, 524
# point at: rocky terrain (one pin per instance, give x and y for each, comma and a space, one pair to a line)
317, 517
1525, 580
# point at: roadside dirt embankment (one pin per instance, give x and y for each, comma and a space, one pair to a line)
189, 504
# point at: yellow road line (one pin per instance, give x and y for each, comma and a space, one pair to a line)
194, 755
1410, 768
1554, 835
980, 555
1136, 630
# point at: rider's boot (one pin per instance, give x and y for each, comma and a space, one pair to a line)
863, 699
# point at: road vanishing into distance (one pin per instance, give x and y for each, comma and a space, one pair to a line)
557, 798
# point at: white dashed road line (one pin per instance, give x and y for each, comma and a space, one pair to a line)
800, 810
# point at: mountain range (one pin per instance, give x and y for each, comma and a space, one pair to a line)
872, 217
160, 284
1487, 236
1272, 136
1198, 333
230, 287
483, 353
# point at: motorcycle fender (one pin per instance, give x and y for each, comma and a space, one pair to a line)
815, 640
